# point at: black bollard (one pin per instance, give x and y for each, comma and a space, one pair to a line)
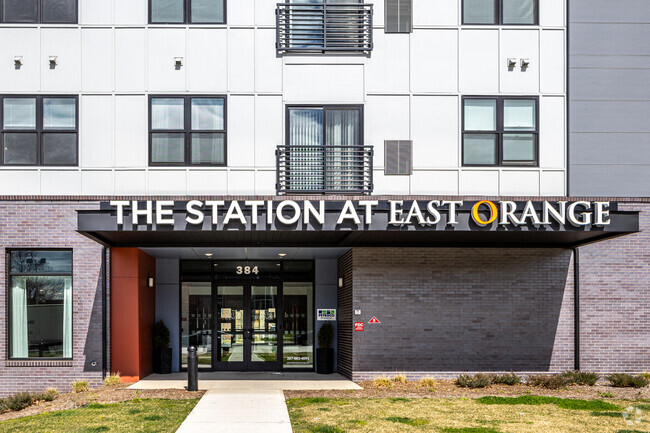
192, 369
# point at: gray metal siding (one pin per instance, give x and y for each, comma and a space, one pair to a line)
609, 97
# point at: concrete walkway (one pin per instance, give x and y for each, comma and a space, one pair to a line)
250, 411
243, 402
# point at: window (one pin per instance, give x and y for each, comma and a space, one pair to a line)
500, 131
38, 11
40, 304
39, 130
187, 11
507, 12
325, 151
187, 130
399, 16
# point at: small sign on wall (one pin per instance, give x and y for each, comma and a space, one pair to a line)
326, 315
358, 326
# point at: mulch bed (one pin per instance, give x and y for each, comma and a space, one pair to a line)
106, 394
447, 388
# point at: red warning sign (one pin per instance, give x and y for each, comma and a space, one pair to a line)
358, 326
374, 320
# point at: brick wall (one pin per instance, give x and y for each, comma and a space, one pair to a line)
53, 225
615, 301
448, 310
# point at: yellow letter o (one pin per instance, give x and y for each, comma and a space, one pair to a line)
494, 213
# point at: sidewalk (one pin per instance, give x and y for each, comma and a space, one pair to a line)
239, 412
243, 402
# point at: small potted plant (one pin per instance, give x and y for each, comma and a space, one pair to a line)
325, 351
162, 353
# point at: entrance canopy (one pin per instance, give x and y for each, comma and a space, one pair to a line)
362, 223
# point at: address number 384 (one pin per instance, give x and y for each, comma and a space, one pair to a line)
247, 270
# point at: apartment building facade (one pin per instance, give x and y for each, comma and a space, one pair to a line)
241, 169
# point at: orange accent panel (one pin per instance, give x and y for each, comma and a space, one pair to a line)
132, 313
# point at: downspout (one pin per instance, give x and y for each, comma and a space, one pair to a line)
576, 309
104, 271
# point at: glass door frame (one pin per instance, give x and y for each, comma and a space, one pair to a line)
247, 363
280, 279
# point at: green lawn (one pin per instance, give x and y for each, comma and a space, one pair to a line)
130, 416
461, 415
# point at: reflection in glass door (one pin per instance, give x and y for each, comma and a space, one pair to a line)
196, 322
230, 324
264, 335
247, 327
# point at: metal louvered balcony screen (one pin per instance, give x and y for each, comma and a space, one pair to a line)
324, 169
324, 27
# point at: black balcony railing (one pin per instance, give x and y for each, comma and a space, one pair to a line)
324, 169
324, 27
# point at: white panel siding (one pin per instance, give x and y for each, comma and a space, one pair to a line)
522, 183
65, 44
519, 44
323, 83
23, 43
552, 63
130, 60
387, 118
410, 87
97, 60
97, 131
207, 60
434, 61
164, 45
479, 61
442, 182
131, 131
435, 131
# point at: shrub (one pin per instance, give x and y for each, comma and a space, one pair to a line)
582, 377
624, 380
49, 394
325, 335
505, 379
19, 401
382, 382
427, 382
553, 381
400, 378
479, 380
80, 386
160, 335
646, 374
113, 379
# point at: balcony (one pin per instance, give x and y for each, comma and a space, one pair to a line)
324, 169
322, 28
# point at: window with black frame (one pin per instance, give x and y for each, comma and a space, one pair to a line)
39, 130
506, 12
187, 130
39, 11
40, 304
500, 131
324, 152
187, 11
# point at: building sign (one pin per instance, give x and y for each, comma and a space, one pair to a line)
356, 215
374, 320
326, 315
358, 326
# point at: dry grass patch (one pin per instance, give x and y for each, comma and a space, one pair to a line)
400, 378
374, 415
382, 382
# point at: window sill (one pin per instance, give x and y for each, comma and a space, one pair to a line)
39, 363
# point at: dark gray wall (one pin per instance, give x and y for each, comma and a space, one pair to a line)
609, 97
167, 303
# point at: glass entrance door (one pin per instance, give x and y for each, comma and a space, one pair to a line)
247, 325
